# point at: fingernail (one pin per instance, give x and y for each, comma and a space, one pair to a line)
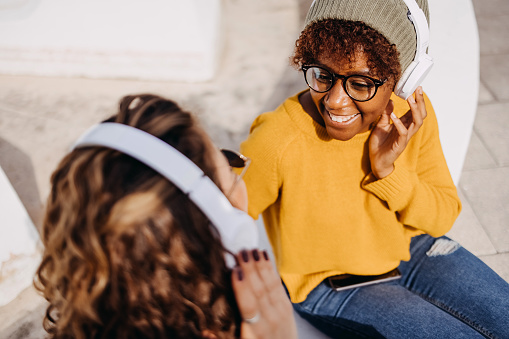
256, 255
265, 255
420, 90
393, 116
411, 99
244, 255
240, 274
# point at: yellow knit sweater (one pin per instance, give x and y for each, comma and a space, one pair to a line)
325, 213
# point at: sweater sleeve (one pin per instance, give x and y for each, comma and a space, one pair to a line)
262, 179
422, 194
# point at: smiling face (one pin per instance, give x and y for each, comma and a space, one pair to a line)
343, 117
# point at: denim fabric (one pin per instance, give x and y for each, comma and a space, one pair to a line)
444, 292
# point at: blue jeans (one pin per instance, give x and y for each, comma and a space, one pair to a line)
444, 292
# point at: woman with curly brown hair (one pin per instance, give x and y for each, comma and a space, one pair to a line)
129, 254
354, 189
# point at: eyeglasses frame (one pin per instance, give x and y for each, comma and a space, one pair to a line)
247, 162
343, 78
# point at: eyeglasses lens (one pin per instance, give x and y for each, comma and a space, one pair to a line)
360, 88
319, 79
234, 159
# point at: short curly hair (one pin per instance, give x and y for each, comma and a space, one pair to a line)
127, 254
342, 40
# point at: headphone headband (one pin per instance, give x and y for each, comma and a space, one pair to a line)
419, 68
418, 19
236, 228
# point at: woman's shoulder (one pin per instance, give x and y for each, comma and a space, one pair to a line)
271, 132
277, 123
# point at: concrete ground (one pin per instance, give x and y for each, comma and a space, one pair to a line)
40, 117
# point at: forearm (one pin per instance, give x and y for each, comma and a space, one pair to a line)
430, 204
432, 209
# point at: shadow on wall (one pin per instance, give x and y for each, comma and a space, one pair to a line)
20, 172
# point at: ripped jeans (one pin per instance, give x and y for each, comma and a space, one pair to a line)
444, 292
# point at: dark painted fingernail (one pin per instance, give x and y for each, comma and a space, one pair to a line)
265, 255
240, 274
256, 255
244, 255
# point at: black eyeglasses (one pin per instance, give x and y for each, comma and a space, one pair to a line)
358, 87
236, 160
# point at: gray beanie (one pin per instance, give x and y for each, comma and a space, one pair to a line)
388, 17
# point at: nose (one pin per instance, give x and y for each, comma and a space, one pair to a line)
336, 97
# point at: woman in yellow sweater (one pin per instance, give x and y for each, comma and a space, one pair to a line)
354, 187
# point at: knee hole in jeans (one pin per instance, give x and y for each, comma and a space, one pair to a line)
442, 247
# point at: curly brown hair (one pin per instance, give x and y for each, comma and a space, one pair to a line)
342, 40
127, 254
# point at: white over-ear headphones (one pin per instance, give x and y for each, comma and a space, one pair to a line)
236, 229
415, 73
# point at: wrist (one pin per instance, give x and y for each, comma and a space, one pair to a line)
382, 173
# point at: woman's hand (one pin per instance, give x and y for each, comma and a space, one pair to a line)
264, 306
388, 140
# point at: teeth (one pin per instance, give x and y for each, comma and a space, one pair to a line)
337, 118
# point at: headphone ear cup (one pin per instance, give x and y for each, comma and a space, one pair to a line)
413, 76
243, 235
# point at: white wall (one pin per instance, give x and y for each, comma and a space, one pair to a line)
156, 39
19, 240
453, 83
